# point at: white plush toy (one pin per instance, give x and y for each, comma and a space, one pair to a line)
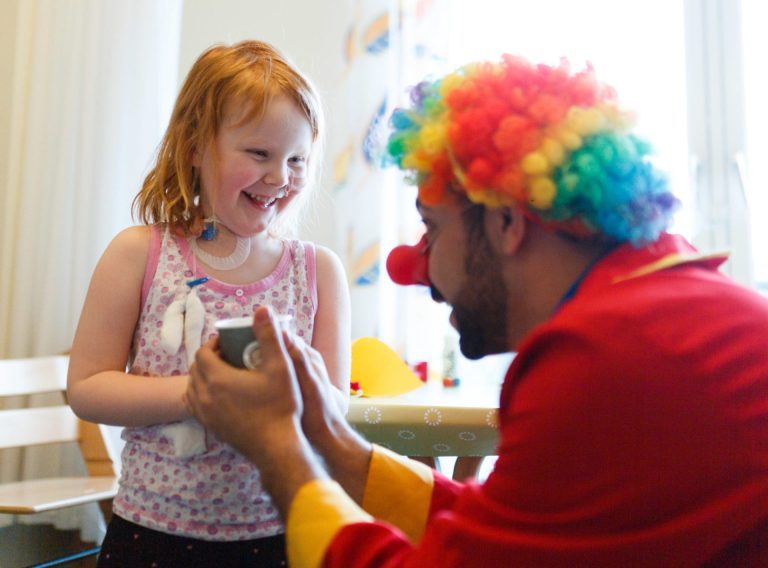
184, 320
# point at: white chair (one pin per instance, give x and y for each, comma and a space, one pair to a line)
23, 427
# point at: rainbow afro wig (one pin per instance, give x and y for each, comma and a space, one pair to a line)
543, 138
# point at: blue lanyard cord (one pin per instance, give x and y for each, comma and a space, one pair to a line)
193, 283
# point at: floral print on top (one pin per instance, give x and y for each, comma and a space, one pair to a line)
215, 495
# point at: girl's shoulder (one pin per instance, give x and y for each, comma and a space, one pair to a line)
125, 258
132, 240
326, 258
134, 245
317, 255
139, 237
308, 247
329, 270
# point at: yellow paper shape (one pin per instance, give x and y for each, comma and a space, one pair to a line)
379, 370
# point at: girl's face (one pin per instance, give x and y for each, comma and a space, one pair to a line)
262, 164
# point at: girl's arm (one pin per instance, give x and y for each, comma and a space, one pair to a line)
331, 336
98, 388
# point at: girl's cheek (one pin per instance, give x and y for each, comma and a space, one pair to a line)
297, 183
242, 178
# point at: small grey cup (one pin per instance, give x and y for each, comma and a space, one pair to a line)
238, 346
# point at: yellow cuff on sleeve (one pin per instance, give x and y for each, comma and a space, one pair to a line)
398, 491
319, 510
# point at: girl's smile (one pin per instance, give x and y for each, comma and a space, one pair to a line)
266, 201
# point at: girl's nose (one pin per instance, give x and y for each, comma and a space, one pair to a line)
408, 264
277, 175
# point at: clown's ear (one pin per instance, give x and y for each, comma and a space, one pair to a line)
506, 228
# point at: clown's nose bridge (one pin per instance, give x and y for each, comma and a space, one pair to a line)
407, 264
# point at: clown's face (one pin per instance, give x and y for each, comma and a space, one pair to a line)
463, 271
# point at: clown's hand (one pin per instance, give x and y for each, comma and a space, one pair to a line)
247, 408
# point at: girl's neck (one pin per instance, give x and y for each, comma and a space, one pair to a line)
225, 240
234, 259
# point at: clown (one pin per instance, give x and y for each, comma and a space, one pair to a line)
633, 420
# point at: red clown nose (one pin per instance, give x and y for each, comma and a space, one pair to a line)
408, 264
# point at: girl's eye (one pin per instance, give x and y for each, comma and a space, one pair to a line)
257, 152
297, 160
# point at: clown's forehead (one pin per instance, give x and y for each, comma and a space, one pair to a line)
425, 209
451, 200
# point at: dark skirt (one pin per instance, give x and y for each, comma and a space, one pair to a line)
127, 545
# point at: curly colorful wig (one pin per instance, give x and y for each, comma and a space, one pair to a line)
551, 141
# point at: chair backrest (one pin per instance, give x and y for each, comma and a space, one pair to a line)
22, 427
49, 420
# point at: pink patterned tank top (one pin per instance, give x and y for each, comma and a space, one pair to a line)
215, 495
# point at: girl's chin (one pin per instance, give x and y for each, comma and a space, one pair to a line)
250, 229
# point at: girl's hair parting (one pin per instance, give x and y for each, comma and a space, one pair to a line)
554, 142
248, 73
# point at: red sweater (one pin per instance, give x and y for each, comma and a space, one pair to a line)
634, 432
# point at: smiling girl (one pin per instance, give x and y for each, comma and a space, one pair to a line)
235, 164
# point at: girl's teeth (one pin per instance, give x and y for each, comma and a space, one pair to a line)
261, 200
266, 201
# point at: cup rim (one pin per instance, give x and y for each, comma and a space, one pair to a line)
246, 321
234, 323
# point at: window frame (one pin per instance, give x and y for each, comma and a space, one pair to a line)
717, 133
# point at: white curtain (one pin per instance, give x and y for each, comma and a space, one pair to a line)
93, 83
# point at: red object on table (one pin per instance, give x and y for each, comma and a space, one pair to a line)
421, 370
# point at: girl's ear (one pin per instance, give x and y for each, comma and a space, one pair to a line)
197, 158
506, 228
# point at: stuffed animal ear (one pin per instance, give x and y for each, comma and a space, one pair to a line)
194, 321
172, 331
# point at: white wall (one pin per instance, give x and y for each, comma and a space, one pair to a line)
311, 33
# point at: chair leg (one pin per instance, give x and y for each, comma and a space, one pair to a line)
430, 461
466, 467
106, 510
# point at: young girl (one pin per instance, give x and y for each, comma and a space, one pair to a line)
235, 162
